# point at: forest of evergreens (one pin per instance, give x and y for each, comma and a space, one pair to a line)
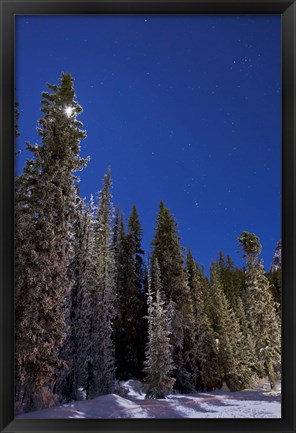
93, 309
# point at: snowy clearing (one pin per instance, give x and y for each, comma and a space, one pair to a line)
261, 403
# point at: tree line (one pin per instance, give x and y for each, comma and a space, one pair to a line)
90, 311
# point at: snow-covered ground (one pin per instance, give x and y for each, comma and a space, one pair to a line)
259, 403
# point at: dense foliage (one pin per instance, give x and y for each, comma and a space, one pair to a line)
91, 311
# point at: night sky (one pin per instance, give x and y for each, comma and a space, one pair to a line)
185, 109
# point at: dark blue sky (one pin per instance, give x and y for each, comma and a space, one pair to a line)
185, 109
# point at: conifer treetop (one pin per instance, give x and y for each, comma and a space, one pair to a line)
59, 127
135, 231
250, 243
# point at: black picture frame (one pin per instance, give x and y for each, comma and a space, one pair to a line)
8, 10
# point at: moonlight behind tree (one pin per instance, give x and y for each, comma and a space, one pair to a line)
45, 204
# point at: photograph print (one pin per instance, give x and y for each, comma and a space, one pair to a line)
148, 216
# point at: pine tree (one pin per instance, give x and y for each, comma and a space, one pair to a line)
65, 384
205, 363
248, 343
45, 202
158, 364
130, 347
230, 342
261, 309
101, 364
86, 279
232, 279
169, 253
118, 247
75, 349
167, 250
275, 279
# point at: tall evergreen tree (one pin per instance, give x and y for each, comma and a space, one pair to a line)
275, 279
118, 249
118, 246
101, 365
230, 342
169, 254
232, 279
75, 349
45, 201
206, 372
130, 346
261, 309
248, 347
158, 364
167, 250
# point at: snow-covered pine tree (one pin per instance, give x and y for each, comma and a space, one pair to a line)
206, 372
87, 287
232, 279
75, 349
261, 309
248, 346
118, 249
275, 277
101, 364
158, 363
65, 385
230, 341
45, 200
169, 253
